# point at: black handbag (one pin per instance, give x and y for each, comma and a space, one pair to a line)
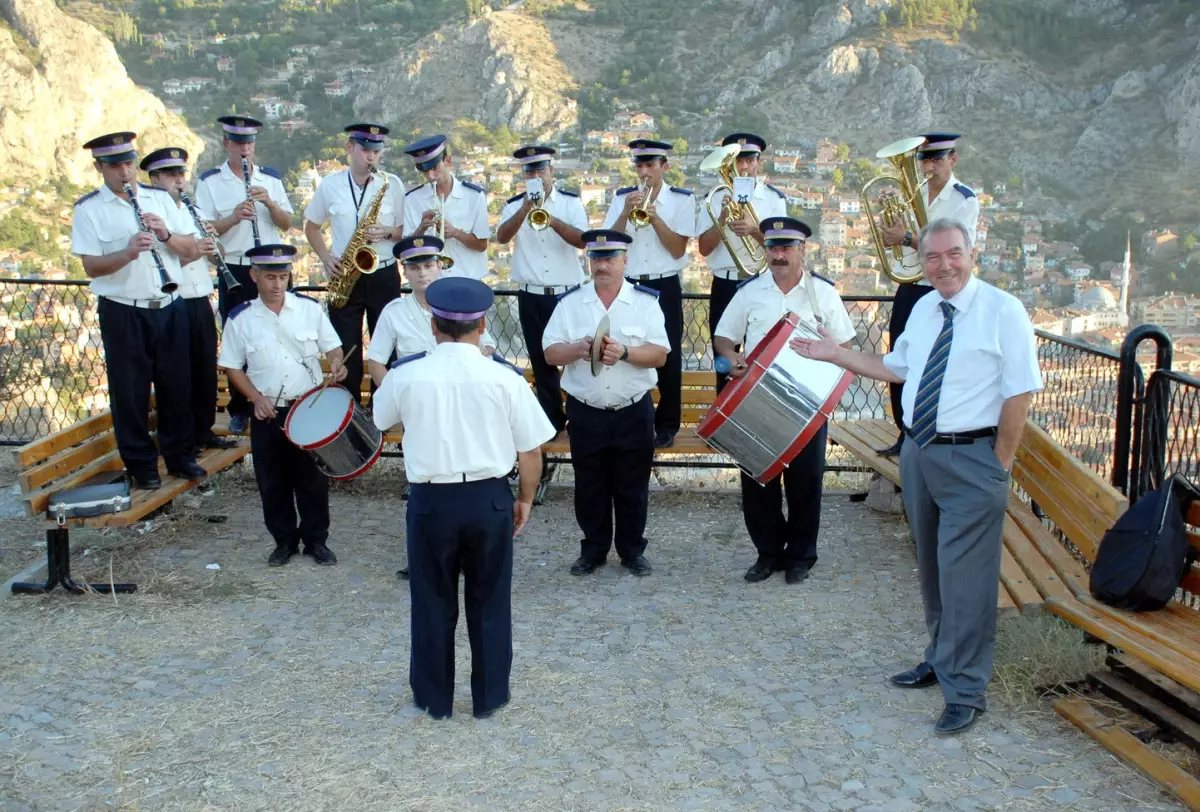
1145, 555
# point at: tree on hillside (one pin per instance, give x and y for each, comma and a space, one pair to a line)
841, 153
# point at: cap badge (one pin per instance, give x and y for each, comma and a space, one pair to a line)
374, 131
742, 141
278, 252
241, 123
120, 139
531, 151
419, 242
174, 153
601, 240
778, 224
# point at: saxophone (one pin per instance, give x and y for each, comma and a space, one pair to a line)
358, 258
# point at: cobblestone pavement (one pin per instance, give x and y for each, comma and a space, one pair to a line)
256, 688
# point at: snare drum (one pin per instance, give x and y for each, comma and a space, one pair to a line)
336, 430
766, 417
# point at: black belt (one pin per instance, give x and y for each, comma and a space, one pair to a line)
958, 437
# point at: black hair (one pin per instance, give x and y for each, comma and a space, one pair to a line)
455, 329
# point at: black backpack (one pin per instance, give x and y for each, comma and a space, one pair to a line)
1145, 555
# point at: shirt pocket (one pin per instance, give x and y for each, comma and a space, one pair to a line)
633, 335
306, 339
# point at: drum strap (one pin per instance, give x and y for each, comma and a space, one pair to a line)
292, 349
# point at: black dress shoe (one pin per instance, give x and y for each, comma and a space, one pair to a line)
891, 450
585, 566
797, 574
759, 571
664, 439
147, 482
321, 554
956, 719
490, 712
402, 573
280, 555
213, 441
638, 565
920, 677
190, 470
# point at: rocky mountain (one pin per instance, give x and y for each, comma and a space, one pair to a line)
62, 83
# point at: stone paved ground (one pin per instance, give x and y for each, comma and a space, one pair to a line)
252, 688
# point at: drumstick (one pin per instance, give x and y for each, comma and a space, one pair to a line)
321, 391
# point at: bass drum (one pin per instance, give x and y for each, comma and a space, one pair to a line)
336, 430
765, 418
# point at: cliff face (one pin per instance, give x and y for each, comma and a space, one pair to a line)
61, 84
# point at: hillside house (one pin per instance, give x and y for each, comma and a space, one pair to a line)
337, 89
826, 150
605, 138
835, 261
784, 166
1030, 243
173, 87
1077, 271
832, 230
226, 64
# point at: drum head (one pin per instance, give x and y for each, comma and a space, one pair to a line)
314, 421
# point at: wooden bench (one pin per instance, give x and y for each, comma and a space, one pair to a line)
77, 455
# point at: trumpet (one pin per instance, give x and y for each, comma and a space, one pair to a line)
254, 222
168, 286
440, 221
640, 216
903, 204
218, 257
539, 218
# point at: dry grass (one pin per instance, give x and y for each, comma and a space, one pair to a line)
1038, 651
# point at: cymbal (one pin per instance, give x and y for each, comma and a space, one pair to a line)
598, 345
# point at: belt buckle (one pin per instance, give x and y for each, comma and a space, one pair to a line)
154, 304
548, 291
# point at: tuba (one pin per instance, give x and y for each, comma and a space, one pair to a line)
358, 258
640, 217
748, 256
905, 203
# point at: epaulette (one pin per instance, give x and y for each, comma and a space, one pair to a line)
965, 191
407, 358
626, 190
470, 185
567, 193
303, 296
748, 280
644, 289
410, 191
208, 173
776, 191
515, 198
496, 357
274, 173
90, 194
567, 292
239, 309
823, 279
679, 190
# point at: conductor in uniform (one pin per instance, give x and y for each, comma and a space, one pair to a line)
786, 287
467, 420
455, 211
968, 364
277, 338
143, 327
610, 416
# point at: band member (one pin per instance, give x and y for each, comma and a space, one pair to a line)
659, 252
545, 262
245, 213
610, 416
968, 364
766, 202
144, 329
451, 209
944, 197
276, 337
783, 544
466, 422
344, 200
167, 169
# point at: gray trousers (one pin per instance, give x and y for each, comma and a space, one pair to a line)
955, 497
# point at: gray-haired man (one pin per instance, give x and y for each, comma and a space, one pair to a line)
968, 363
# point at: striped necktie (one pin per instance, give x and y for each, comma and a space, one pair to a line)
924, 423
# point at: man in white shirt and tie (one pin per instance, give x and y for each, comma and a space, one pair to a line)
969, 369
455, 211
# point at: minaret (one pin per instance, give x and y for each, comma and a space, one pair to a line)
1125, 266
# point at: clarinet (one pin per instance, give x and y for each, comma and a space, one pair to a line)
231, 283
167, 285
254, 222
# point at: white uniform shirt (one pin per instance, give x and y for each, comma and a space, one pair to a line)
280, 353
767, 203
462, 414
635, 319
404, 327
759, 304
222, 190
333, 202
952, 204
543, 258
647, 255
465, 208
103, 223
196, 281
993, 355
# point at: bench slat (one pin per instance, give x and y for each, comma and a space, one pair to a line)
850, 435
1012, 577
1070, 571
1035, 566
63, 464
1059, 500
1098, 492
36, 501
1004, 603
40, 450
1151, 626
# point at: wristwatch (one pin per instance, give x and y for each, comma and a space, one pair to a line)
624, 355
908, 239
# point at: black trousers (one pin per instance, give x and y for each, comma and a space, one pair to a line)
535, 310
612, 452
720, 294
907, 295
202, 349
144, 347
289, 482
791, 542
460, 528
227, 300
371, 294
670, 375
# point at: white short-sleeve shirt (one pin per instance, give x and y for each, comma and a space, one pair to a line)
647, 254
404, 327
634, 319
759, 304
542, 257
343, 204
462, 414
465, 208
955, 202
993, 355
221, 190
280, 352
767, 202
102, 224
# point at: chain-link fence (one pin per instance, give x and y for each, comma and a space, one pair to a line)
1172, 433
